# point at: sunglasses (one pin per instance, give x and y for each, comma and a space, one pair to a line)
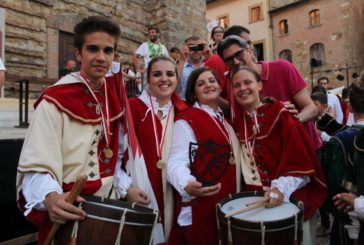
196, 47
237, 55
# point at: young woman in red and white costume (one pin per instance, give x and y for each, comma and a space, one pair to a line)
154, 113
280, 157
204, 162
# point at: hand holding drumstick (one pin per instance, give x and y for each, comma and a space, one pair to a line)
60, 207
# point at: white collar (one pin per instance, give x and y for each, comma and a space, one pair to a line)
219, 114
144, 96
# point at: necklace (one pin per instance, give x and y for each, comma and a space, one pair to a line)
159, 144
153, 52
105, 117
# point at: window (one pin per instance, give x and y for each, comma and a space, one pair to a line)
255, 13
259, 51
223, 21
283, 27
315, 17
317, 54
286, 55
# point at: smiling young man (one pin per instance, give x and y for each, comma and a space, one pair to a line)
75, 131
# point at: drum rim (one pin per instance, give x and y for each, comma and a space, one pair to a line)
255, 193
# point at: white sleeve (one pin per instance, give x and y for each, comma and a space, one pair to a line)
178, 166
325, 137
359, 207
165, 51
35, 188
289, 184
338, 110
141, 50
2, 67
122, 181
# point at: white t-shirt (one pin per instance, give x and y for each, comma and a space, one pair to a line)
143, 51
2, 67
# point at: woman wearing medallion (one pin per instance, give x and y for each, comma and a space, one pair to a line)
203, 164
153, 115
280, 157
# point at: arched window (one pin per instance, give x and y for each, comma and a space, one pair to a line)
317, 54
314, 17
286, 55
283, 27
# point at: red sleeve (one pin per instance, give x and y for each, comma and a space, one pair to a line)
295, 80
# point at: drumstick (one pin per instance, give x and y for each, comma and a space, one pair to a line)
243, 210
75, 191
256, 202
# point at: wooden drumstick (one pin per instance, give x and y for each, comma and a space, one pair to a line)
257, 202
75, 191
243, 210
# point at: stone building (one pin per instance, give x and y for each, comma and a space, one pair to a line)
252, 14
321, 37
38, 35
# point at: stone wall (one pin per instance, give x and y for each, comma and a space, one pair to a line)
33, 26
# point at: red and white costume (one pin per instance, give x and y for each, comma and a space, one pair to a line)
66, 139
197, 128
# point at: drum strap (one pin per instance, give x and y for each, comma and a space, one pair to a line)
155, 224
262, 230
121, 226
295, 227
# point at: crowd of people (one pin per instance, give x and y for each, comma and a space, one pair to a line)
209, 122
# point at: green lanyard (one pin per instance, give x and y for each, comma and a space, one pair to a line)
153, 52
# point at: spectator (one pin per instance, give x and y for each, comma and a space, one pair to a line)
70, 67
174, 52
217, 34
194, 48
148, 50
333, 101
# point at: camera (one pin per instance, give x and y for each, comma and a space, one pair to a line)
196, 47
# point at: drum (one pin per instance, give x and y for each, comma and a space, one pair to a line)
110, 222
278, 225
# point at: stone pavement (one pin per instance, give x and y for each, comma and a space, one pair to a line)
9, 118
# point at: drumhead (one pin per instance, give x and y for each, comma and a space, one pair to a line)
283, 211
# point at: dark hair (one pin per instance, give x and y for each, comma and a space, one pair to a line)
156, 59
213, 31
345, 93
245, 68
235, 30
95, 24
156, 28
192, 38
174, 49
356, 94
320, 97
191, 82
229, 41
322, 78
318, 88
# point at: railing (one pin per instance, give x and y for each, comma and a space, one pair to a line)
23, 103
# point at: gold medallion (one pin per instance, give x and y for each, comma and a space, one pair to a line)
232, 160
108, 153
160, 164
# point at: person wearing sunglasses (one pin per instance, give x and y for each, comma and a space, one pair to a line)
217, 64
